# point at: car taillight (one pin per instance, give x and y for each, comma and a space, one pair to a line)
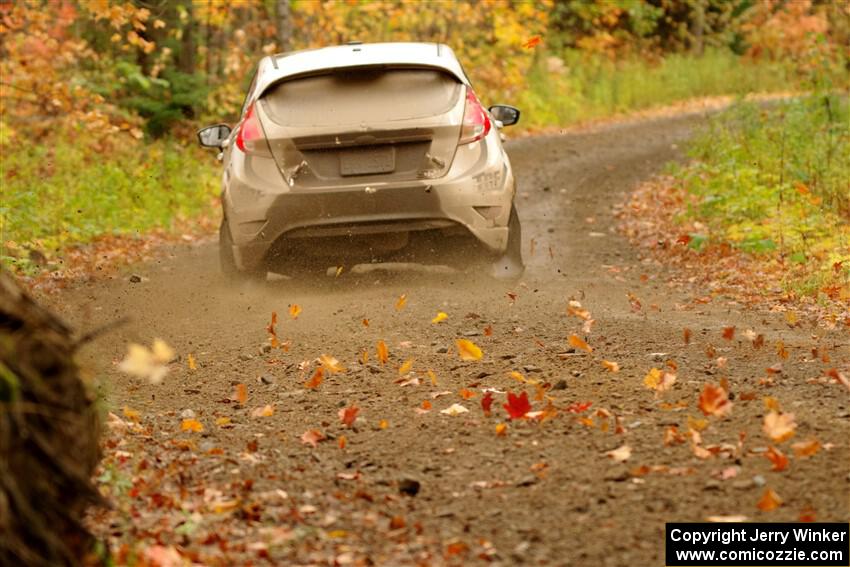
476, 123
250, 132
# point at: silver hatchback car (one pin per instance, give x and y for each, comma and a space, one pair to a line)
365, 153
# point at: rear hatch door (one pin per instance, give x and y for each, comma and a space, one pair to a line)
356, 126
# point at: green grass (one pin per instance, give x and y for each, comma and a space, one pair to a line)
70, 191
776, 181
594, 87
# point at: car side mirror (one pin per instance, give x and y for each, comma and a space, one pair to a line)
507, 115
213, 136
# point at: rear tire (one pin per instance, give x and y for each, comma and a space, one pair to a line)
229, 269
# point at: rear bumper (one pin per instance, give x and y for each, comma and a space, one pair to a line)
476, 201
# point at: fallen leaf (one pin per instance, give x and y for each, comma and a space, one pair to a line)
440, 317
294, 310
803, 449
777, 459
316, 379
532, 42
736, 518
454, 409
611, 366
312, 437
807, 514
672, 436
331, 364
686, 336
659, 380
365, 322
265, 411
517, 406
781, 350
192, 425
401, 302
779, 426
488, 331
486, 403
383, 353
501, 429
348, 415
432, 377
729, 333
769, 501
190, 359
621, 454
145, 363
714, 401
342, 441
466, 394
771, 404
240, 394
383, 424
578, 343
468, 350
405, 368
221, 421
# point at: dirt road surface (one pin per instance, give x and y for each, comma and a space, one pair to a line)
543, 493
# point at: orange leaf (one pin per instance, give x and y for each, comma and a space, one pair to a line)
383, 424
316, 379
714, 401
488, 331
331, 364
578, 343
501, 429
365, 322
241, 394
265, 411
401, 302
532, 42
426, 405
781, 350
383, 353
312, 437
294, 310
611, 366
804, 449
770, 501
468, 350
348, 415
777, 458
686, 336
192, 425
807, 514
779, 426
466, 394
341, 441
729, 333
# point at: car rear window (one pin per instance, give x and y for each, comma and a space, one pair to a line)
361, 96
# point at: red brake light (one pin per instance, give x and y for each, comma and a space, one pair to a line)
249, 132
476, 123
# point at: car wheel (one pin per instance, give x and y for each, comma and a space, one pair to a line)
509, 266
227, 261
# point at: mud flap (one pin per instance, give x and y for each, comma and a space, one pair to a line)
509, 266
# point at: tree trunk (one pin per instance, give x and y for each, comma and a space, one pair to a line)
284, 25
186, 60
698, 27
49, 432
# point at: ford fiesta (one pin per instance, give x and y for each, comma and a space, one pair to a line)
365, 153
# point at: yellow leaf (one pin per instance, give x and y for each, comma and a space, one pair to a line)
192, 425
439, 317
771, 403
338, 271
131, 414
518, 376
578, 343
502, 429
405, 368
383, 352
401, 302
222, 421
192, 364
779, 426
468, 350
432, 376
294, 310
265, 411
364, 356
331, 364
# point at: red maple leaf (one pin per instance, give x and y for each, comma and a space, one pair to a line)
486, 402
517, 406
579, 407
348, 415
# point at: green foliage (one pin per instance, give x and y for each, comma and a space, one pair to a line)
589, 86
70, 192
775, 180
